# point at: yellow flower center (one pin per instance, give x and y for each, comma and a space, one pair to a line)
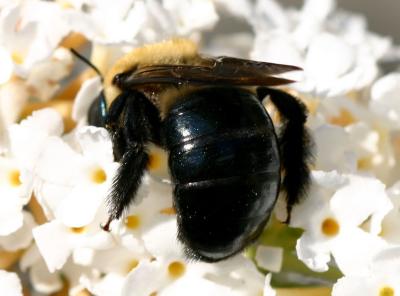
14, 178
132, 221
330, 227
168, 211
98, 176
17, 58
364, 163
344, 118
386, 291
78, 230
132, 265
154, 161
176, 269
65, 4
153, 294
84, 292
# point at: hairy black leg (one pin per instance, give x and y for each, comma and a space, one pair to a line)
98, 111
115, 125
296, 145
132, 125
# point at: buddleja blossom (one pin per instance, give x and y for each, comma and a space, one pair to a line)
16, 177
87, 172
30, 31
334, 49
332, 215
382, 277
384, 101
39, 84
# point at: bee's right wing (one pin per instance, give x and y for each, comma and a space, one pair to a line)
208, 71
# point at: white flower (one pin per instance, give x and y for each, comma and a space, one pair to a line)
382, 278
47, 282
21, 238
135, 22
72, 187
42, 280
329, 157
14, 194
391, 223
110, 284
242, 8
44, 78
10, 284
170, 273
362, 142
335, 61
7, 65
30, 31
33, 132
65, 175
384, 100
56, 242
124, 20
17, 165
331, 215
191, 15
115, 263
13, 97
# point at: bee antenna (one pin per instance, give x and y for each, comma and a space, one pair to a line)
87, 62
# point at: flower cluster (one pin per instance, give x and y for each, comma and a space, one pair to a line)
56, 171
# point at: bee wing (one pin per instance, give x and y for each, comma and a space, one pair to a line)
210, 71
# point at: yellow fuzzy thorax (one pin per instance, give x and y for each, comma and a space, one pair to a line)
174, 51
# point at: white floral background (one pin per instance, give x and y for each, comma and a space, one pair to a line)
55, 170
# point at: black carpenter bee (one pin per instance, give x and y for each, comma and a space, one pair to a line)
226, 162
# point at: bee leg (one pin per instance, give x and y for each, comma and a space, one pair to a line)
98, 111
296, 145
132, 124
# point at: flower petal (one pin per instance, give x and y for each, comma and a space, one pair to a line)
365, 194
22, 237
88, 92
33, 133
42, 280
51, 239
10, 284
95, 143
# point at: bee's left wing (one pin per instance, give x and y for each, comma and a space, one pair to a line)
208, 71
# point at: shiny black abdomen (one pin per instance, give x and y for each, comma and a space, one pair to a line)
224, 162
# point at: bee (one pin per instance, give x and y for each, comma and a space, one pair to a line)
226, 160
